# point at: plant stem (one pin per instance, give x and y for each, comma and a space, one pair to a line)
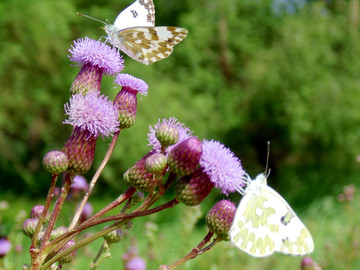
94, 180
66, 183
103, 254
194, 253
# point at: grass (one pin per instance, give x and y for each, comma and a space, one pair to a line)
168, 236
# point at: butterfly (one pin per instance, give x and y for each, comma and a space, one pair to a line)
134, 33
265, 223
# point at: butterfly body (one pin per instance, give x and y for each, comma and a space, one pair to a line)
265, 223
134, 33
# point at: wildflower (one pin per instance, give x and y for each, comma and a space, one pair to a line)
138, 177
222, 166
91, 115
135, 264
79, 185
86, 212
220, 217
95, 59
114, 236
307, 263
192, 189
29, 226
184, 157
5, 246
163, 135
156, 163
55, 162
68, 258
37, 212
58, 232
126, 100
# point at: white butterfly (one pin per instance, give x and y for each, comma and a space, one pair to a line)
134, 33
264, 223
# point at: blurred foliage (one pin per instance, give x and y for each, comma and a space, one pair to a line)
244, 75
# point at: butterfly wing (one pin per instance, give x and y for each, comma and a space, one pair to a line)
265, 223
149, 44
139, 13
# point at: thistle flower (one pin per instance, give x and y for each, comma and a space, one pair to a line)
307, 263
156, 163
95, 59
135, 264
184, 157
192, 189
222, 166
78, 186
114, 236
37, 211
5, 246
55, 162
138, 177
29, 226
126, 100
220, 217
162, 134
90, 115
68, 258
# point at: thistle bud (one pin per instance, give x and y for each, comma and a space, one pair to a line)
114, 236
191, 190
29, 226
138, 177
68, 258
80, 148
156, 163
220, 218
58, 232
55, 162
126, 100
184, 157
138, 197
167, 134
37, 211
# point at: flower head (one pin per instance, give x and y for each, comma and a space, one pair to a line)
130, 82
55, 162
95, 53
126, 100
5, 246
93, 113
220, 217
135, 264
183, 133
222, 166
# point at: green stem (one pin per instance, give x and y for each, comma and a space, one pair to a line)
103, 254
194, 253
94, 180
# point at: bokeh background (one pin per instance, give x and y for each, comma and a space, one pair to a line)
249, 71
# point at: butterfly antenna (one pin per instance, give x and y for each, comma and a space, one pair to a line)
267, 170
91, 18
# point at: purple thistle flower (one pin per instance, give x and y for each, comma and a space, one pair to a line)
93, 113
126, 101
130, 82
135, 264
5, 246
184, 133
95, 59
222, 166
89, 51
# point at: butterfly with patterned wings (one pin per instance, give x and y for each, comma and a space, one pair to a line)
134, 33
265, 223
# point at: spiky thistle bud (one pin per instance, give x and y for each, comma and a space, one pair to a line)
126, 100
114, 236
220, 217
192, 189
138, 177
156, 163
37, 211
167, 134
95, 59
184, 157
55, 162
58, 232
68, 258
29, 226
